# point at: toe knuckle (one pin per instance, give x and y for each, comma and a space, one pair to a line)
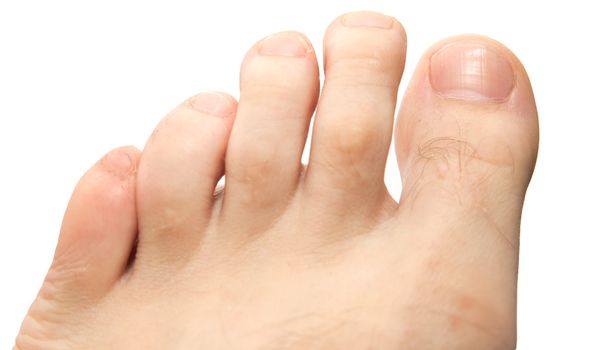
460, 170
372, 65
366, 70
447, 156
459, 159
352, 142
251, 166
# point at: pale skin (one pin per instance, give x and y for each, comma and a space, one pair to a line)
152, 256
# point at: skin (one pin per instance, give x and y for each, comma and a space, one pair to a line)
152, 256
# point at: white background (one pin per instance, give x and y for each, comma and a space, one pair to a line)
79, 78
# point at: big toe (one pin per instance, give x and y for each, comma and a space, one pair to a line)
466, 141
467, 133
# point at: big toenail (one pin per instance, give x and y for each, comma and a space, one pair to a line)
118, 163
212, 103
367, 19
284, 44
471, 71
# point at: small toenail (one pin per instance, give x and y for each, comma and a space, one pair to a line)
471, 71
213, 103
367, 19
118, 163
284, 44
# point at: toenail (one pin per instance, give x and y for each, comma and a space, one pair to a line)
367, 19
119, 163
213, 103
471, 71
285, 44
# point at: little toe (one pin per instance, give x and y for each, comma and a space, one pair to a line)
98, 231
467, 134
182, 163
279, 90
364, 61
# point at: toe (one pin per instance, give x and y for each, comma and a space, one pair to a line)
467, 135
181, 165
279, 89
466, 141
364, 60
98, 231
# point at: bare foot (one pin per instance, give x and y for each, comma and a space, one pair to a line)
316, 257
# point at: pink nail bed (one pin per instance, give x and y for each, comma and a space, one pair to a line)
471, 71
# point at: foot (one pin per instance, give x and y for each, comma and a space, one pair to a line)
152, 256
